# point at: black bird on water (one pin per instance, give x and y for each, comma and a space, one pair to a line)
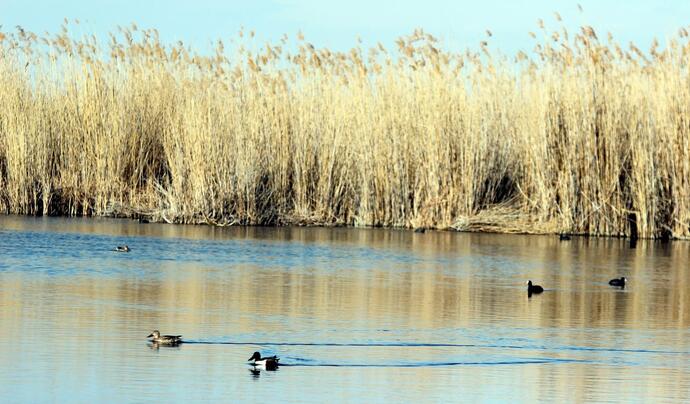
564, 237
618, 282
268, 363
533, 289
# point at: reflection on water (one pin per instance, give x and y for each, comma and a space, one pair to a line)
375, 315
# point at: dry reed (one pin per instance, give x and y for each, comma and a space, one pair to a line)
582, 135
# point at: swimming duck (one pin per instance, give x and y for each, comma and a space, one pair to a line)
122, 248
618, 282
269, 363
533, 289
165, 339
564, 237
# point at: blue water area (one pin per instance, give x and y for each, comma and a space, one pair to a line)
355, 315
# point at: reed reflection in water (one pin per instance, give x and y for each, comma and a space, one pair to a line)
355, 315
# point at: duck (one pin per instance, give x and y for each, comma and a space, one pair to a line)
164, 339
533, 289
564, 237
268, 363
618, 282
122, 248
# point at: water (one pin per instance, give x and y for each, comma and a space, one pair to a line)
364, 315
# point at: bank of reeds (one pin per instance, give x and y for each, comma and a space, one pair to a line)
581, 135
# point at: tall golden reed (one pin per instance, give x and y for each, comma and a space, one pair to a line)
582, 135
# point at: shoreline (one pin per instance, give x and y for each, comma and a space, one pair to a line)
142, 220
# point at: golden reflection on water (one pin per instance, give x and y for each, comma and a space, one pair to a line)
348, 285
574, 274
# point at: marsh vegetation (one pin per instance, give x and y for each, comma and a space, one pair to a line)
581, 135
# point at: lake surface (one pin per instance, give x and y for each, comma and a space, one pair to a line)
356, 315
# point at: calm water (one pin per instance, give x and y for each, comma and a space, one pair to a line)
356, 315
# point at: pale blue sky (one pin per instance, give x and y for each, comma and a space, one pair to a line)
336, 24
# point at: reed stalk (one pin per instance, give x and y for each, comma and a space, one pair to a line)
581, 135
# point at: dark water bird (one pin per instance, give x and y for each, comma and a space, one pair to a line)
533, 289
122, 248
618, 282
420, 230
564, 237
164, 339
268, 363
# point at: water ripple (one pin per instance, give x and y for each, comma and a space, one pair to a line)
442, 345
438, 364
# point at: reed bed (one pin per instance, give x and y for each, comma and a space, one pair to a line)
581, 135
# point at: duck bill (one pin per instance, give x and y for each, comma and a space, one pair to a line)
150, 336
